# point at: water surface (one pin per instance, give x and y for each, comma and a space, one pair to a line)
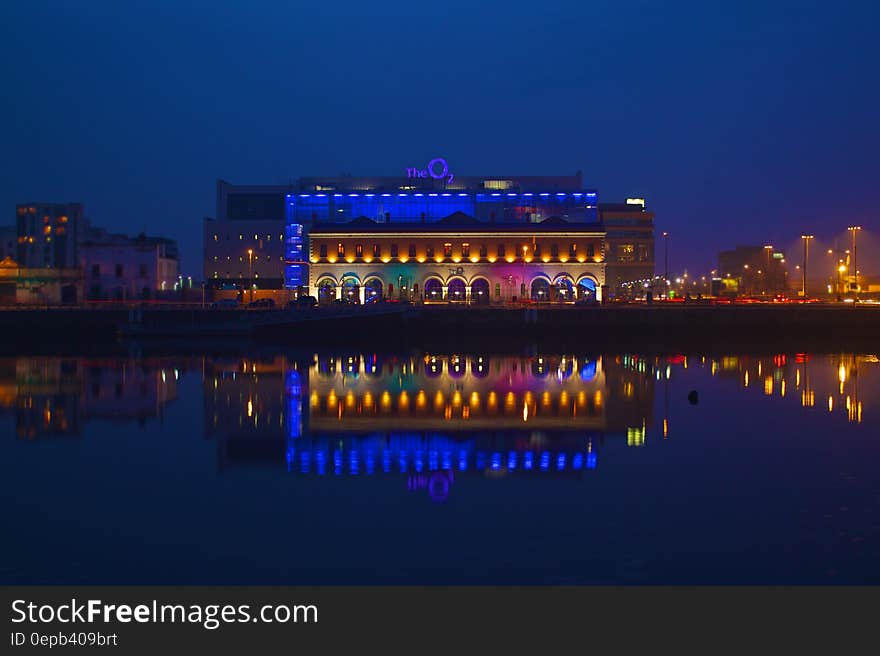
338, 467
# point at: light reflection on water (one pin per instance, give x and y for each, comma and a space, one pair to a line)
447, 429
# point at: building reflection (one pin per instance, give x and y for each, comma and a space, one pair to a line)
428, 418
57, 396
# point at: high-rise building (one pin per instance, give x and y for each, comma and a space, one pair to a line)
48, 234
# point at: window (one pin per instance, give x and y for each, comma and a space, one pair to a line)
483, 250
447, 250
465, 250
537, 250
501, 250
625, 252
572, 249
216, 238
554, 250
96, 270
358, 250
591, 251
322, 250
412, 250
393, 250
429, 251
377, 250
340, 249
118, 270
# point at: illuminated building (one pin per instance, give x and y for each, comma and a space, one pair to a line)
425, 226
48, 234
244, 243
457, 259
436, 236
629, 247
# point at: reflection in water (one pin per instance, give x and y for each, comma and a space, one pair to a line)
57, 396
429, 419
578, 468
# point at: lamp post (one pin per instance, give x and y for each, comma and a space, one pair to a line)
251, 272
806, 239
666, 265
855, 263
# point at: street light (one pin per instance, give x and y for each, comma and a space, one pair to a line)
806, 239
855, 264
250, 253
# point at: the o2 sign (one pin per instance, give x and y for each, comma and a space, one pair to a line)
437, 168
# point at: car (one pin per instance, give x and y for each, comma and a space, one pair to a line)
303, 302
262, 304
226, 304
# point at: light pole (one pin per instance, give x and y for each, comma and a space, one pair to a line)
666, 265
855, 264
806, 239
251, 272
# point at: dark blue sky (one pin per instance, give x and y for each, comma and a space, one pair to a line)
739, 122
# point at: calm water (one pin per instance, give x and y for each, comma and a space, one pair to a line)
353, 468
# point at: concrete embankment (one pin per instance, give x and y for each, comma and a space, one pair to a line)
842, 327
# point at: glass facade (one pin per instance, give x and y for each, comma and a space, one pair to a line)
416, 207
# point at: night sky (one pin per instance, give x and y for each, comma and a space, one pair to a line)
740, 123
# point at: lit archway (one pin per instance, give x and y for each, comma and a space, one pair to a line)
433, 289
351, 289
456, 291
480, 291
540, 290
373, 290
564, 288
326, 290
586, 289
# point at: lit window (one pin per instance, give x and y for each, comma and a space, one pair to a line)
216, 238
572, 249
340, 249
240, 237
359, 250
465, 250
447, 250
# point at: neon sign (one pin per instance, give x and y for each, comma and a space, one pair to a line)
437, 168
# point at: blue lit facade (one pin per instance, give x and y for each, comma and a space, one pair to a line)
429, 207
